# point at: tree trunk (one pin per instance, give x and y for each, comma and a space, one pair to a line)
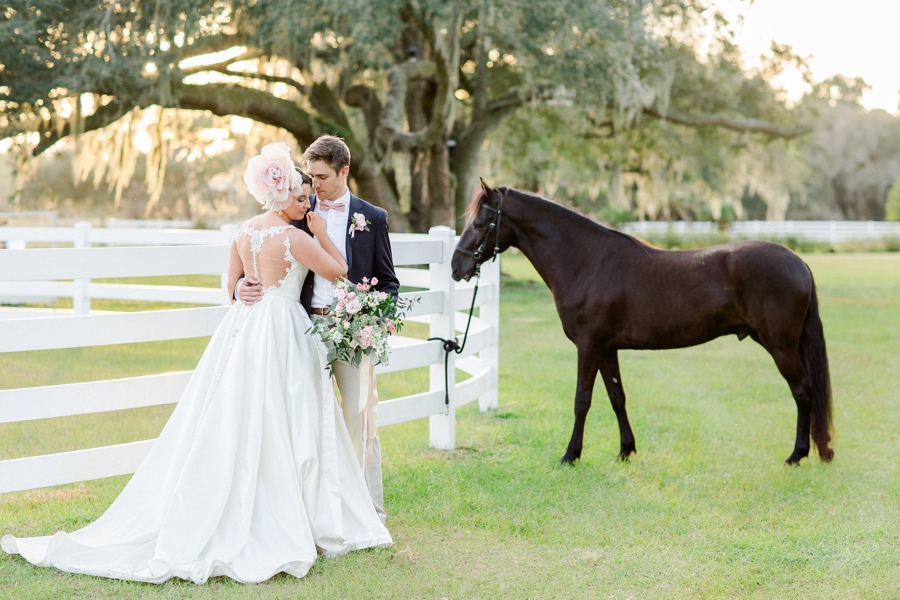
617, 197
842, 195
373, 187
439, 186
465, 156
419, 205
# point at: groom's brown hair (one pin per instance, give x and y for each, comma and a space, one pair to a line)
330, 149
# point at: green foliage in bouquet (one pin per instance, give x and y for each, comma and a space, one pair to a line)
360, 321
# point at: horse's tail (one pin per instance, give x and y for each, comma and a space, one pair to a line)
815, 362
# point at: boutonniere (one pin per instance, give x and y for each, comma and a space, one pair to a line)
358, 223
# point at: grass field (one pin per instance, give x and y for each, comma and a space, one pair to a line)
705, 510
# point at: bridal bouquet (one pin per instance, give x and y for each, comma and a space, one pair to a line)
360, 321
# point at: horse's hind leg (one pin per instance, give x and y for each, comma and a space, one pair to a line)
609, 370
791, 368
587, 374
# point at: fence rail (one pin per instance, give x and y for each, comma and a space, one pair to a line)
820, 231
167, 247
27, 271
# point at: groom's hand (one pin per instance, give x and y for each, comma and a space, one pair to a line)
249, 291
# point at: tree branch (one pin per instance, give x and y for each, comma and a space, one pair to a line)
103, 116
389, 133
726, 122
262, 77
227, 99
323, 100
508, 103
220, 99
210, 44
249, 55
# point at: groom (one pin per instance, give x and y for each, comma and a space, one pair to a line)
367, 250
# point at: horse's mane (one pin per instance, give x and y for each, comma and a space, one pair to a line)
558, 208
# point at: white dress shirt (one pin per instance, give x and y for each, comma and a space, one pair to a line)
337, 224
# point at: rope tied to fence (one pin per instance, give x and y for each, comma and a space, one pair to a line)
454, 345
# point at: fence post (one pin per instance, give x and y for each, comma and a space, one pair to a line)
228, 230
489, 314
442, 427
81, 297
53, 224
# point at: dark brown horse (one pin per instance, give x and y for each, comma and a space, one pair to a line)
614, 293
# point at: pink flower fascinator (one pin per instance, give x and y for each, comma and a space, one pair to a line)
271, 177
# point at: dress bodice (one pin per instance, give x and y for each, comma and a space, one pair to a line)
268, 260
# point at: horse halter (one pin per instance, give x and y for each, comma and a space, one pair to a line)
454, 345
495, 227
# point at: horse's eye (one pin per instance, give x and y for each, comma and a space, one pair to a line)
478, 224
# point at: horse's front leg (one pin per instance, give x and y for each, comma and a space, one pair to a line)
587, 374
609, 370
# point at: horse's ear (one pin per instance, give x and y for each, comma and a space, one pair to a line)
485, 187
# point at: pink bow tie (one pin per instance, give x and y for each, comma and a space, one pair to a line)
326, 205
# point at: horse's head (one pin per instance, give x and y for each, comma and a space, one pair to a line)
486, 234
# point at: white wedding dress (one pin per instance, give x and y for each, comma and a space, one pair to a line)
254, 470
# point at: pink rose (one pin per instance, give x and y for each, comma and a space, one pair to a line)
354, 306
390, 326
374, 281
271, 177
359, 286
365, 336
351, 295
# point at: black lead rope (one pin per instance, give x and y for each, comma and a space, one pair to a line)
454, 345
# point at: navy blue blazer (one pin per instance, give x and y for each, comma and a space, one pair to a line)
368, 252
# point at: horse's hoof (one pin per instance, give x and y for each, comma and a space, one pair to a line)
625, 452
569, 458
795, 458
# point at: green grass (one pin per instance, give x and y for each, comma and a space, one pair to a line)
705, 510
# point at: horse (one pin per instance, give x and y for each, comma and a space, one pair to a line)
613, 292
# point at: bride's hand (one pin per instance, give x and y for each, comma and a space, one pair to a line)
316, 224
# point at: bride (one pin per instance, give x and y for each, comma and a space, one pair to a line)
255, 470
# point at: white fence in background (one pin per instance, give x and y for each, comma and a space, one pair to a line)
81, 290
148, 224
820, 231
441, 302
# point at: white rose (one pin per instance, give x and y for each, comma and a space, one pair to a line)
354, 306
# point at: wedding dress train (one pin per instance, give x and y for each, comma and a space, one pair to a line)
254, 470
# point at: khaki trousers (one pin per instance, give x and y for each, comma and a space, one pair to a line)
348, 385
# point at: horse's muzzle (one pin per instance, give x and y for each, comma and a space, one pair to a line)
460, 267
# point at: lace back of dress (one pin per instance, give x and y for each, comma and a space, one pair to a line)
269, 253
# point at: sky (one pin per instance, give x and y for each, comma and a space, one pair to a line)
856, 38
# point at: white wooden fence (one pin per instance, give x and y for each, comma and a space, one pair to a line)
440, 306
820, 231
148, 224
81, 290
